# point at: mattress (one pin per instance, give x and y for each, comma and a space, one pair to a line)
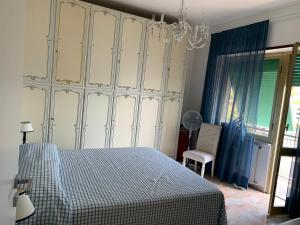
136, 186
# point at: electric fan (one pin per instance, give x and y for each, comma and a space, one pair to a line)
191, 120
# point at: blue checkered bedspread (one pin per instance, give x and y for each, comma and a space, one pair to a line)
134, 186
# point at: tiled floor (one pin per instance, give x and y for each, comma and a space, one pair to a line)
246, 207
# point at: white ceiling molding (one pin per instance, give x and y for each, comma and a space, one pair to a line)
284, 13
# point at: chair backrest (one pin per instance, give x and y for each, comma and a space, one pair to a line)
208, 138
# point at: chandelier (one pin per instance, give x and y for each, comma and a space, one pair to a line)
196, 36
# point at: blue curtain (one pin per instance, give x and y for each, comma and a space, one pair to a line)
232, 85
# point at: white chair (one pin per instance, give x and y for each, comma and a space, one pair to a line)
207, 145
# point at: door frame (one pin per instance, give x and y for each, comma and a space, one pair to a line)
284, 58
278, 150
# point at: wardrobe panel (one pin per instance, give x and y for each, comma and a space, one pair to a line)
72, 21
155, 59
97, 114
103, 41
176, 76
170, 126
65, 118
124, 120
148, 121
130, 53
35, 103
37, 40
115, 60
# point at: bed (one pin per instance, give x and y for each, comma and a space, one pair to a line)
136, 186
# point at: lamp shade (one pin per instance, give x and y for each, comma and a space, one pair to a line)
25, 207
26, 127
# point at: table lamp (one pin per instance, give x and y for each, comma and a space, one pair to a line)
25, 208
21, 200
25, 128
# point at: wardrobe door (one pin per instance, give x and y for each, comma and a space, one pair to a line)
124, 120
65, 117
35, 109
130, 52
170, 126
102, 46
96, 119
176, 75
148, 121
70, 45
155, 59
38, 40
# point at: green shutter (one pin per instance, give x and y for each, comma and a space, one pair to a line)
267, 91
296, 79
289, 121
296, 82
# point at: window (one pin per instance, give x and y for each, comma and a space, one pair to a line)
230, 107
266, 97
293, 120
266, 103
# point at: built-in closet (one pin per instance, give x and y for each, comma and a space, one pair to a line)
95, 77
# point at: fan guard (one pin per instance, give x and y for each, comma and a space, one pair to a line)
191, 120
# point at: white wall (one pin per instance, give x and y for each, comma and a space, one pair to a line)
195, 79
283, 30
189, 67
11, 57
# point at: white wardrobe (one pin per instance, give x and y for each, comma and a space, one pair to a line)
96, 77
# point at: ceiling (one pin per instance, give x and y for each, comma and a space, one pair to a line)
215, 11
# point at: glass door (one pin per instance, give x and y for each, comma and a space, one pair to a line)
287, 136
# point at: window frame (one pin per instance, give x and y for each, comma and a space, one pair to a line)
268, 139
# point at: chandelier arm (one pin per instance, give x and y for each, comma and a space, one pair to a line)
188, 47
196, 42
181, 29
191, 45
201, 46
193, 36
188, 26
174, 25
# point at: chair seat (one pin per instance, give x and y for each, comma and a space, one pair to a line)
199, 156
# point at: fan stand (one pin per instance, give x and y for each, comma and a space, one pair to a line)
190, 135
188, 148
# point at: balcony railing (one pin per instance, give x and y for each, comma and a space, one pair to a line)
290, 137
